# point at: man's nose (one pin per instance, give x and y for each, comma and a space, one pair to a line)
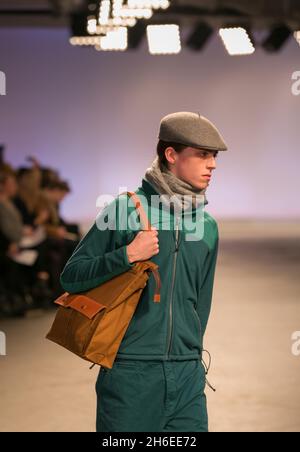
212, 163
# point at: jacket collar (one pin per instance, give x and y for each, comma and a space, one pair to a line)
148, 189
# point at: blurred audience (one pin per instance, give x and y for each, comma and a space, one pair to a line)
35, 242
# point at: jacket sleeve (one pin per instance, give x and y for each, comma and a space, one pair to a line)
100, 255
206, 290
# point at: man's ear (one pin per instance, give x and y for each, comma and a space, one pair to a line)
173, 153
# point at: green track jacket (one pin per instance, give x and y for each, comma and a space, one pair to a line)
174, 328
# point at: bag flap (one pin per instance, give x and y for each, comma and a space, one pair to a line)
81, 303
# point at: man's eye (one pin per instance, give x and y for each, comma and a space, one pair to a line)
205, 154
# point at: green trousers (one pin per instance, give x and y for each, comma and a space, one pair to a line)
152, 396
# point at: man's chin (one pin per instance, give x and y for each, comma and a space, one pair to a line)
200, 185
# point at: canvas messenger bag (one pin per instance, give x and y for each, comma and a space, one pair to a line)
92, 324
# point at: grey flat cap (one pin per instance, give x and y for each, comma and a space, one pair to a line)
191, 129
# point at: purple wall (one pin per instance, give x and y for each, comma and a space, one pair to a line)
95, 117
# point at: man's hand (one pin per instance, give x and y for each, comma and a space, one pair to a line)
144, 246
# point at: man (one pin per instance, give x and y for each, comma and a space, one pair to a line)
158, 379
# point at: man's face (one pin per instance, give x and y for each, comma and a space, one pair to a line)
192, 165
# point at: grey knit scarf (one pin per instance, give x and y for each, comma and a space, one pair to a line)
166, 183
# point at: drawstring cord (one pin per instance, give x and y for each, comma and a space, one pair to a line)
207, 367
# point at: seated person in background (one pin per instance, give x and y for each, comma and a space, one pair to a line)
54, 193
11, 231
38, 200
11, 224
28, 199
34, 280
62, 237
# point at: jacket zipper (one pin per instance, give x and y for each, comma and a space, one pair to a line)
172, 289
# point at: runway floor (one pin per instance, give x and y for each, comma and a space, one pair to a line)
256, 309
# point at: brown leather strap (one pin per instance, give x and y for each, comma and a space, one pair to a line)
158, 286
146, 226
